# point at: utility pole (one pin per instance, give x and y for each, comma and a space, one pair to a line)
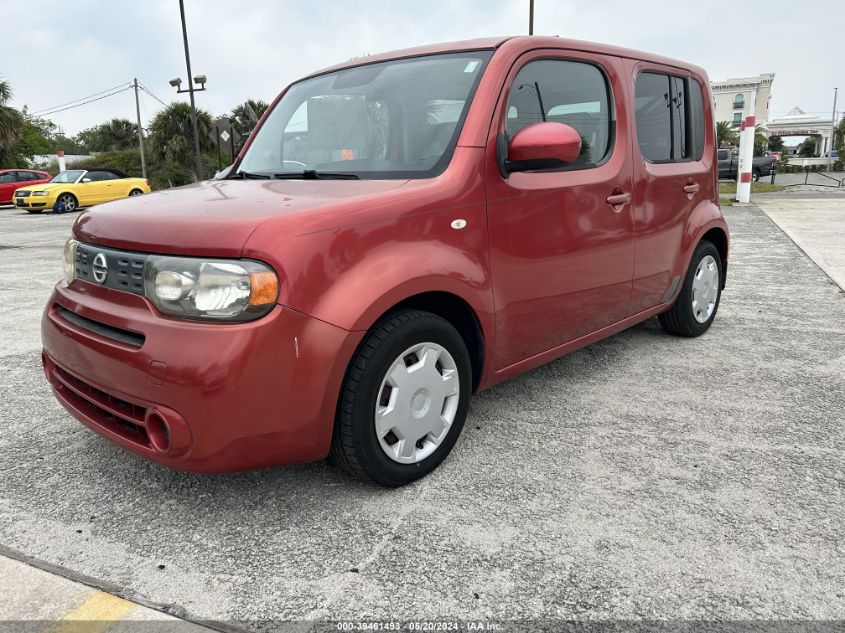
140, 131
832, 131
530, 17
197, 156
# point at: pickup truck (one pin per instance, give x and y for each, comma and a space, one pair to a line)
728, 163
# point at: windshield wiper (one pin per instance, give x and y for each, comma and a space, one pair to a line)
313, 174
247, 175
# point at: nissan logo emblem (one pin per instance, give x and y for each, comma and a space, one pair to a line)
100, 268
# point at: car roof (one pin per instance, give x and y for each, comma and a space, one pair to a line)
111, 170
517, 45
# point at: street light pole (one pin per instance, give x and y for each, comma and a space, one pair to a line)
197, 155
140, 131
530, 17
832, 131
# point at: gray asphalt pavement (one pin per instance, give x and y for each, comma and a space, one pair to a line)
643, 477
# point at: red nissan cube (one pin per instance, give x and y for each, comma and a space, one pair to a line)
400, 232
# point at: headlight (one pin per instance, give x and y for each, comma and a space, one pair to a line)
69, 259
40, 193
219, 290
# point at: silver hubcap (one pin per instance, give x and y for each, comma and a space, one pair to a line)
417, 403
135, 193
705, 289
69, 202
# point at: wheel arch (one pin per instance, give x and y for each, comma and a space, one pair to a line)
705, 222
459, 313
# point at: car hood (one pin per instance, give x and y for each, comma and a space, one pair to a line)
47, 186
215, 218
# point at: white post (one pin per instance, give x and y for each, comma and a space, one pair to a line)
746, 152
61, 157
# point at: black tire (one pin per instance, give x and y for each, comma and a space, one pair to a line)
755, 174
135, 192
71, 203
680, 319
355, 446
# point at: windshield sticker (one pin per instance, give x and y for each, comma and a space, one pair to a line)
471, 66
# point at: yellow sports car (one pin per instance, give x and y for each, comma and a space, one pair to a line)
76, 188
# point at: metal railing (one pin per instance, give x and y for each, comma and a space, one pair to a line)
839, 183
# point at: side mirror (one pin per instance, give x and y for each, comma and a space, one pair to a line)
543, 145
86, 180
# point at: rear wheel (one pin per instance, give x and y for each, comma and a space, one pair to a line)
135, 192
695, 308
404, 399
755, 174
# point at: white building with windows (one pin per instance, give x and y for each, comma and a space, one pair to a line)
732, 98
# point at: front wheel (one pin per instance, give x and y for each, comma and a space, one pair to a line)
404, 399
70, 202
755, 174
135, 192
695, 308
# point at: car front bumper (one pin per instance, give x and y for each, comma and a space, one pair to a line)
195, 396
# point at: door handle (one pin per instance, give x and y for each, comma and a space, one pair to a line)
691, 189
618, 200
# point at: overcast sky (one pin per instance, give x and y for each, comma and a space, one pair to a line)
55, 51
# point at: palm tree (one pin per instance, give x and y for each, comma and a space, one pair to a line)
725, 134
761, 140
245, 116
120, 134
172, 136
11, 122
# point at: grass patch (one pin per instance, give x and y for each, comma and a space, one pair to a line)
726, 202
756, 187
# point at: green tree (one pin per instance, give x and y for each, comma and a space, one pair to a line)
36, 139
807, 148
725, 134
246, 115
839, 138
172, 138
11, 124
761, 141
112, 136
776, 143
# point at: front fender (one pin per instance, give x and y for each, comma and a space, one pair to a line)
394, 272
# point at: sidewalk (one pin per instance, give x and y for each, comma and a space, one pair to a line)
32, 599
816, 225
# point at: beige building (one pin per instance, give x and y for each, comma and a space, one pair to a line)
732, 98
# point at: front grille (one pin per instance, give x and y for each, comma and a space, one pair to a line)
127, 337
22, 194
125, 270
110, 412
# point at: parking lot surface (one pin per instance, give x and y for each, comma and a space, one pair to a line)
645, 476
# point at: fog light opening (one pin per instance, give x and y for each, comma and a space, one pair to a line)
158, 432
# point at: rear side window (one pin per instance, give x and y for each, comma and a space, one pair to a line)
669, 118
9, 176
654, 120
696, 105
99, 176
24, 176
570, 92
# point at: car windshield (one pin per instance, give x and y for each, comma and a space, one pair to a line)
67, 176
393, 119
